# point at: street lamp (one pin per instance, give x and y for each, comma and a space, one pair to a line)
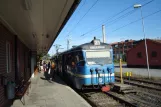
147, 60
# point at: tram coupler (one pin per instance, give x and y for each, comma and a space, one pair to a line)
106, 88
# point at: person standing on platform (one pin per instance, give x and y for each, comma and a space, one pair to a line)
41, 67
44, 66
49, 69
53, 70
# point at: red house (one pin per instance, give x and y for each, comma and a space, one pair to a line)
136, 56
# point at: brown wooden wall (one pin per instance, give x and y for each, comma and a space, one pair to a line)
6, 36
21, 60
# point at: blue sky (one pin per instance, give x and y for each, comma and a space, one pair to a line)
101, 14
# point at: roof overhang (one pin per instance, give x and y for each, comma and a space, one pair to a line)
37, 23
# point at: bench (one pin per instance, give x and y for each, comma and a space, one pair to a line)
22, 89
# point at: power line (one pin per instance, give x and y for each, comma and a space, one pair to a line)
136, 20
111, 18
115, 20
129, 13
122, 16
83, 16
81, 7
78, 10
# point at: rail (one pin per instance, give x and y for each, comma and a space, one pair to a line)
138, 84
121, 100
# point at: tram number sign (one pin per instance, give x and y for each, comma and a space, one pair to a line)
96, 42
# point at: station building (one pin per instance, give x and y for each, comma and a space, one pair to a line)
27, 29
136, 56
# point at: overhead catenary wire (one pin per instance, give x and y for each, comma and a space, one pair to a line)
126, 14
80, 8
115, 20
83, 16
107, 19
77, 12
136, 21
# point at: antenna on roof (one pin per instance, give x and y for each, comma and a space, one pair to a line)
94, 38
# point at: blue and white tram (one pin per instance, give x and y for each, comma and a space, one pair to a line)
89, 65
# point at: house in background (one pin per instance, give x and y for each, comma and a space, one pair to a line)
136, 57
120, 48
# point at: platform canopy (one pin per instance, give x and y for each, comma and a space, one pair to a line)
37, 23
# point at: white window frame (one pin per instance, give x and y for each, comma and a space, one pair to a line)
8, 57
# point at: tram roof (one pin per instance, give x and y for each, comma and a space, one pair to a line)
89, 46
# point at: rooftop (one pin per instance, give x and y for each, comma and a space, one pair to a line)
121, 42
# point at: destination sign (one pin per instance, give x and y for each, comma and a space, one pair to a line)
97, 47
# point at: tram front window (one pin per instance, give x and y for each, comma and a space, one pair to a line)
98, 57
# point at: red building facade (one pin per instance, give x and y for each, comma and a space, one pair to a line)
120, 48
137, 55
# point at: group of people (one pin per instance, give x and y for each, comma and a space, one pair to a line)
49, 70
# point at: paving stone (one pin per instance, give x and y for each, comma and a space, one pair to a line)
53, 94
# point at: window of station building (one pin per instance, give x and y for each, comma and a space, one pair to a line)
154, 54
120, 46
129, 46
125, 46
8, 57
116, 46
139, 55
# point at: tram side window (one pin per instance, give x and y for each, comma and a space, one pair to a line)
78, 57
73, 58
73, 61
68, 59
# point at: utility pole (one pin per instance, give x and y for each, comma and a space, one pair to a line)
68, 42
57, 47
103, 34
146, 47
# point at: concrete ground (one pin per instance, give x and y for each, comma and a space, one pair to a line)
140, 71
47, 93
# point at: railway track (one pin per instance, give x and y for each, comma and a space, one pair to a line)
113, 99
100, 99
108, 99
141, 80
122, 99
144, 97
148, 92
143, 83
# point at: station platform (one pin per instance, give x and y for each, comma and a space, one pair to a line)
47, 93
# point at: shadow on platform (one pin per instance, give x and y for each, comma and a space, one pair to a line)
55, 79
